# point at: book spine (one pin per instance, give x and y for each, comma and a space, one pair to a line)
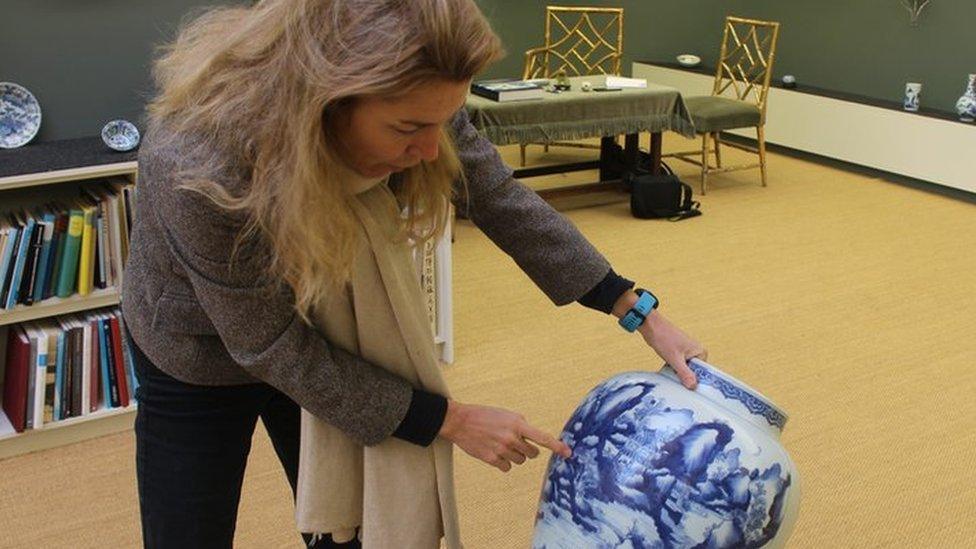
86, 394
40, 383
7, 261
59, 370
43, 271
105, 373
129, 193
125, 223
15, 378
106, 277
77, 369
113, 381
18, 272
57, 259
69, 364
68, 281
30, 272
94, 387
51, 374
119, 361
86, 265
31, 379
490, 94
115, 244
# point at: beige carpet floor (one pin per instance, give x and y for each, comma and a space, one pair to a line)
848, 300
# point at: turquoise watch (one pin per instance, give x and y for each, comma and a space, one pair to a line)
646, 302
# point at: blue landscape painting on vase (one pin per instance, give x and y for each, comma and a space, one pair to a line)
645, 474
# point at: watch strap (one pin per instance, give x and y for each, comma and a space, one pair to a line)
646, 302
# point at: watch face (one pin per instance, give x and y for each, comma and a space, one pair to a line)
654, 299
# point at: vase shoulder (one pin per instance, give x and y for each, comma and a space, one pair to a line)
728, 392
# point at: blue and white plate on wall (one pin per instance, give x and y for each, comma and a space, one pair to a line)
20, 115
120, 135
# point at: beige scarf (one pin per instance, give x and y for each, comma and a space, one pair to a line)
396, 493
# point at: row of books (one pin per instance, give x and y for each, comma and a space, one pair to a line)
66, 247
65, 367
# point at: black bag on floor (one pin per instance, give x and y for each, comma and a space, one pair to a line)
661, 196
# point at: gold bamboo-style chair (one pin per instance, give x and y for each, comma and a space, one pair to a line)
739, 94
579, 41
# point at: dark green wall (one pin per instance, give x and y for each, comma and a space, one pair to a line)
88, 61
865, 47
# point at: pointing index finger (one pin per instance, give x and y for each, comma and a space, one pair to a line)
545, 439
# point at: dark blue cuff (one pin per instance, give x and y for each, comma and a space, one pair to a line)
606, 292
424, 418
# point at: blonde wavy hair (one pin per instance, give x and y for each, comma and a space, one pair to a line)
260, 84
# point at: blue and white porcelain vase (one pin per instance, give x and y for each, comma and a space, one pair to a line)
657, 465
913, 94
966, 106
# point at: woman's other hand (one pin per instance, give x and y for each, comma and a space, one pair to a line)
673, 345
496, 436
669, 342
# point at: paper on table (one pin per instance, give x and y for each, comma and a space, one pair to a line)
621, 82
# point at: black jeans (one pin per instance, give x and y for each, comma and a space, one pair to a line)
192, 443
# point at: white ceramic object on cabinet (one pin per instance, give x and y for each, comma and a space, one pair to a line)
966, 105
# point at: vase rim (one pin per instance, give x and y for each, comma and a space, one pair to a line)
697, 363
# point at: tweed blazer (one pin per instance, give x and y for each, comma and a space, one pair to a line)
207, 318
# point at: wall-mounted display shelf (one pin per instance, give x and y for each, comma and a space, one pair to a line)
69, 159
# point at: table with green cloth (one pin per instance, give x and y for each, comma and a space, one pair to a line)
575, 114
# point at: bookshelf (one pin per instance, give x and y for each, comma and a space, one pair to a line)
34, 174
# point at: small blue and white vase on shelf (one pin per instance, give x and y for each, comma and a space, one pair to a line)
966, 106
913, 96
657, 465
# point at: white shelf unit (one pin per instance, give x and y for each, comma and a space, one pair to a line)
927, 148
66, 431
103, 422
60, 306
70, 174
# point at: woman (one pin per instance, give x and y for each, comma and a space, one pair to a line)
266, 272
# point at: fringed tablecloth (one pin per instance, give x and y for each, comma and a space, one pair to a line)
577, 114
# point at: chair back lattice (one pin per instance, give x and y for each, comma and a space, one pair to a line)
579, 41
746, 63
